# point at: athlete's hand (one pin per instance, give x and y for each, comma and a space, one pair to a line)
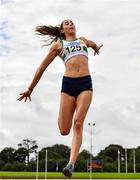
96, 51
26, 95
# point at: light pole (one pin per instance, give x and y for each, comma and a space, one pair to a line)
134, 161
126, 160
91, 126
46, 164
119, 168
37, 162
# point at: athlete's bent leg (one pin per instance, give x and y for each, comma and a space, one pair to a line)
66, 112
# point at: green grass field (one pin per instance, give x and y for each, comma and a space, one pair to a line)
80, 175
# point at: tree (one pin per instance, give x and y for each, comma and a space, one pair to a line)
138, 154
84, 155
56, 154
20, 154
7, 155
30, 146
52, 155
62, 150
110, 152
109, 156
81, 163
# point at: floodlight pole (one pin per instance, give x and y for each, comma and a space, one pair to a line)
126, 160
119, 168
134, 161
46, 164
37, 162
91, 125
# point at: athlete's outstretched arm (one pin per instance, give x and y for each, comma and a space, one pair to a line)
92, 45
54, 51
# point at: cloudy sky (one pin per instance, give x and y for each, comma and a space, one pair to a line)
115, 72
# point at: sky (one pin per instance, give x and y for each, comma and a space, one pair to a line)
115, 72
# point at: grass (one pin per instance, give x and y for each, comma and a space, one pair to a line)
59, 175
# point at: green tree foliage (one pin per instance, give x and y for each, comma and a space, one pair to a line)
31, 167
7, 155
20, 154
83, 158
138, 155
62, 150
58, 156
84, 155
30, 146
110, 153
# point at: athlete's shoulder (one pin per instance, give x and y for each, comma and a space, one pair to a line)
83, 39
56, 45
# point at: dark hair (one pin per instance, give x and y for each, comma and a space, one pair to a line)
51, 33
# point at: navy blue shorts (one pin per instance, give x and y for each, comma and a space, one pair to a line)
75, 85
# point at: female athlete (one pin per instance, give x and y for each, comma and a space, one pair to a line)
76, 91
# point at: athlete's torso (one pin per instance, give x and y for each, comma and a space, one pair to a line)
73, 48
75, 57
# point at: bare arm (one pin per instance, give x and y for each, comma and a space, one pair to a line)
54, 51
92, 45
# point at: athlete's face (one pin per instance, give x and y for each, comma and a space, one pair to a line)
68, 26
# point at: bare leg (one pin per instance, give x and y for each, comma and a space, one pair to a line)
66, 112
82, 105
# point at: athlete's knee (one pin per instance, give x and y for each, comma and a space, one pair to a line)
64, 132
78, 126
64, 127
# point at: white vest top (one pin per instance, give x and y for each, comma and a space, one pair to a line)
73, 48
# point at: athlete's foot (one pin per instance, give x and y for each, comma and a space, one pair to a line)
67, 171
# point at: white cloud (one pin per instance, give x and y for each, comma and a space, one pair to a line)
116, 72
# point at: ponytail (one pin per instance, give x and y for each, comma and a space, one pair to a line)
51, 33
